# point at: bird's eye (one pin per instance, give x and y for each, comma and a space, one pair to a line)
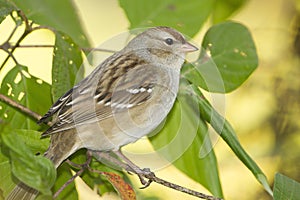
169, 41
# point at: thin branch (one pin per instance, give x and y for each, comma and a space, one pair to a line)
12, 33
52, 46
174, 186
151, 176
28, 30
78, 173
82, 167
35, 46
98, 49
25, 19
7, 47
20, 107
12, 56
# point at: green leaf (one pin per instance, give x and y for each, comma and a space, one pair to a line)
225, 8
61, 15
6, 182
37, 172
186, 16
224, 129
44, 197
30, 139
180, 142
66, 67
227, 60
286, 188
16, 85
6, 8
27, 90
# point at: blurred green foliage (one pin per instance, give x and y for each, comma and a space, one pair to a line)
228, 53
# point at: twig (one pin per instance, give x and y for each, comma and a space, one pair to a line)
78, 173
152, 177
28, 29
82, 167
25, 19
51, 46
179, 188
98, 49
9, 49
12, 33
6, 45
13, 57
20, 107
35, 46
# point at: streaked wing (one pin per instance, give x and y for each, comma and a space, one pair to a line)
83, 87
132, 88
56, 107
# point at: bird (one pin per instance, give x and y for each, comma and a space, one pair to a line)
123, 99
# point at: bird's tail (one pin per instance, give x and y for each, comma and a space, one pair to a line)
22, 192
57, 152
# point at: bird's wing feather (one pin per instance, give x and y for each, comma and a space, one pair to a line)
56, 107
131, 89
83, 86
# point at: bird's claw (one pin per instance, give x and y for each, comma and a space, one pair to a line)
145, 183
145, 173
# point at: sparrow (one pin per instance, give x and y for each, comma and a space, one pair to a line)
123, 99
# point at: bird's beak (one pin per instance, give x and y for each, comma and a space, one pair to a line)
188, 47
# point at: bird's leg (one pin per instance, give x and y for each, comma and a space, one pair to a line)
137, 170
134, 167
126, 164
110, 160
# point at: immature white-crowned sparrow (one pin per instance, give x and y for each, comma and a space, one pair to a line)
123, 99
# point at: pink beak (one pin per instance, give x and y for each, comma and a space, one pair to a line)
188, 47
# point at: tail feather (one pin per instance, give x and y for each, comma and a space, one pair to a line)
22, 192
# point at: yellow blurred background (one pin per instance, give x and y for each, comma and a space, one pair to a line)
264, 111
